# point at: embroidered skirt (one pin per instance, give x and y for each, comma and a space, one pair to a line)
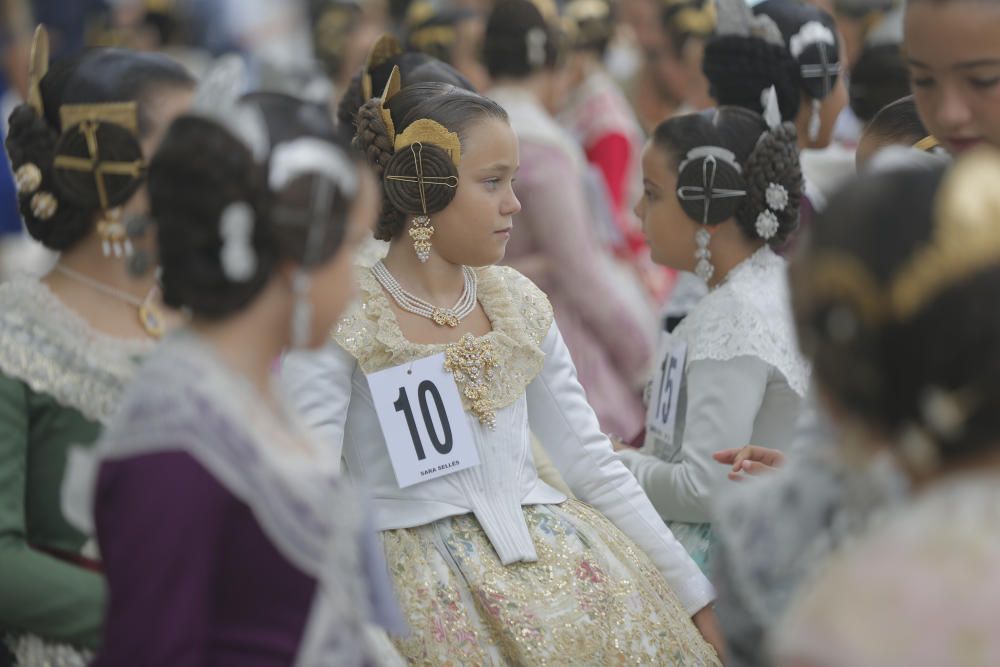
592, 598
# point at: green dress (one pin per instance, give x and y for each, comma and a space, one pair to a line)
59, 381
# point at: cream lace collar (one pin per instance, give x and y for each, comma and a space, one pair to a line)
749, 315
520, 313
55, 351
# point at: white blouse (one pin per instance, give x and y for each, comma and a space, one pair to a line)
744, 383
536, 392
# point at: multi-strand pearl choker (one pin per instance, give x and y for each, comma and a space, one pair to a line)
441, 316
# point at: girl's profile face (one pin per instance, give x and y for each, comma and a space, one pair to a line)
669, 231
952, 50
474, 228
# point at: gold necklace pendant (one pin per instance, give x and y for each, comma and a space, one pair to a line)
443, 317
151, 320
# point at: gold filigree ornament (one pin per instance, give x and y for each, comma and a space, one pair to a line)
385, 48
473, 364
113, 179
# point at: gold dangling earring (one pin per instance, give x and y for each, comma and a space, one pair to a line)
421, 232
114, 238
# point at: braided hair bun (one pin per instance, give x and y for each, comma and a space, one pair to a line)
774, 184
100, 76
748, 169
203, 173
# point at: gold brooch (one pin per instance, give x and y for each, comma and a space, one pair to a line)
472, 362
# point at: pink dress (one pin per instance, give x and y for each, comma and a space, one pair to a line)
555, 244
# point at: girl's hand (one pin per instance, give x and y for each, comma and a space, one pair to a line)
750, 460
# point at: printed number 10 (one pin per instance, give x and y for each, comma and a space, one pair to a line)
402, 404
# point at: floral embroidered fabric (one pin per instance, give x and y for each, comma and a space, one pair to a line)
592, 598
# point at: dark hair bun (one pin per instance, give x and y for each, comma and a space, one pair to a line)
199, 170
31, 140
775, 159
708, 205
373, 140
440, 179
739, 68
518, 41
117, 146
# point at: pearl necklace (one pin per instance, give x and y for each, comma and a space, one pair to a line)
440, 316
149, 314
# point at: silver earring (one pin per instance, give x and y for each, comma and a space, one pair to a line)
301, 310
815, 121
703, 269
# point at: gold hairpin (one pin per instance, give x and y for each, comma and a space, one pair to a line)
427, 131
385, 48
87, 118
417, 149
927, 143
38, 67
392, 87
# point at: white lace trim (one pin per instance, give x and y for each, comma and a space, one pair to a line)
749, 315
55, 351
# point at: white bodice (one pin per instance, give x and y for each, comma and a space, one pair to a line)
535, 392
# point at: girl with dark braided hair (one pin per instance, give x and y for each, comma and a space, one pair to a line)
70, 342
431, 389
721, 191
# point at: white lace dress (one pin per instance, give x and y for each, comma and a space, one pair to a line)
743, 382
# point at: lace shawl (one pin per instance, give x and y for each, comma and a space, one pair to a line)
184, 399
55, 351
520, 313
749, 315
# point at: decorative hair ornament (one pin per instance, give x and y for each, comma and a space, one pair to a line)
694, 17
385, 48
423, 130
776, 196
772, 110
307, 155
44, 205
710, 155
811, 32
814, 33
217, 99
239, 261
38, 67
535, 42
86, 120
767, 225
28, 178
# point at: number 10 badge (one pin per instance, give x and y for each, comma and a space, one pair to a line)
425, 426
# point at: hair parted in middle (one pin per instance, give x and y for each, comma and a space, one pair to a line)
416, 174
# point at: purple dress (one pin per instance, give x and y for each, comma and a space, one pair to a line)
227, 535
195, 562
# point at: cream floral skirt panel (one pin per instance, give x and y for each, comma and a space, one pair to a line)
592, 598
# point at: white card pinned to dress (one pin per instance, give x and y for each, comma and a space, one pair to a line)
661, 412
425, 426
